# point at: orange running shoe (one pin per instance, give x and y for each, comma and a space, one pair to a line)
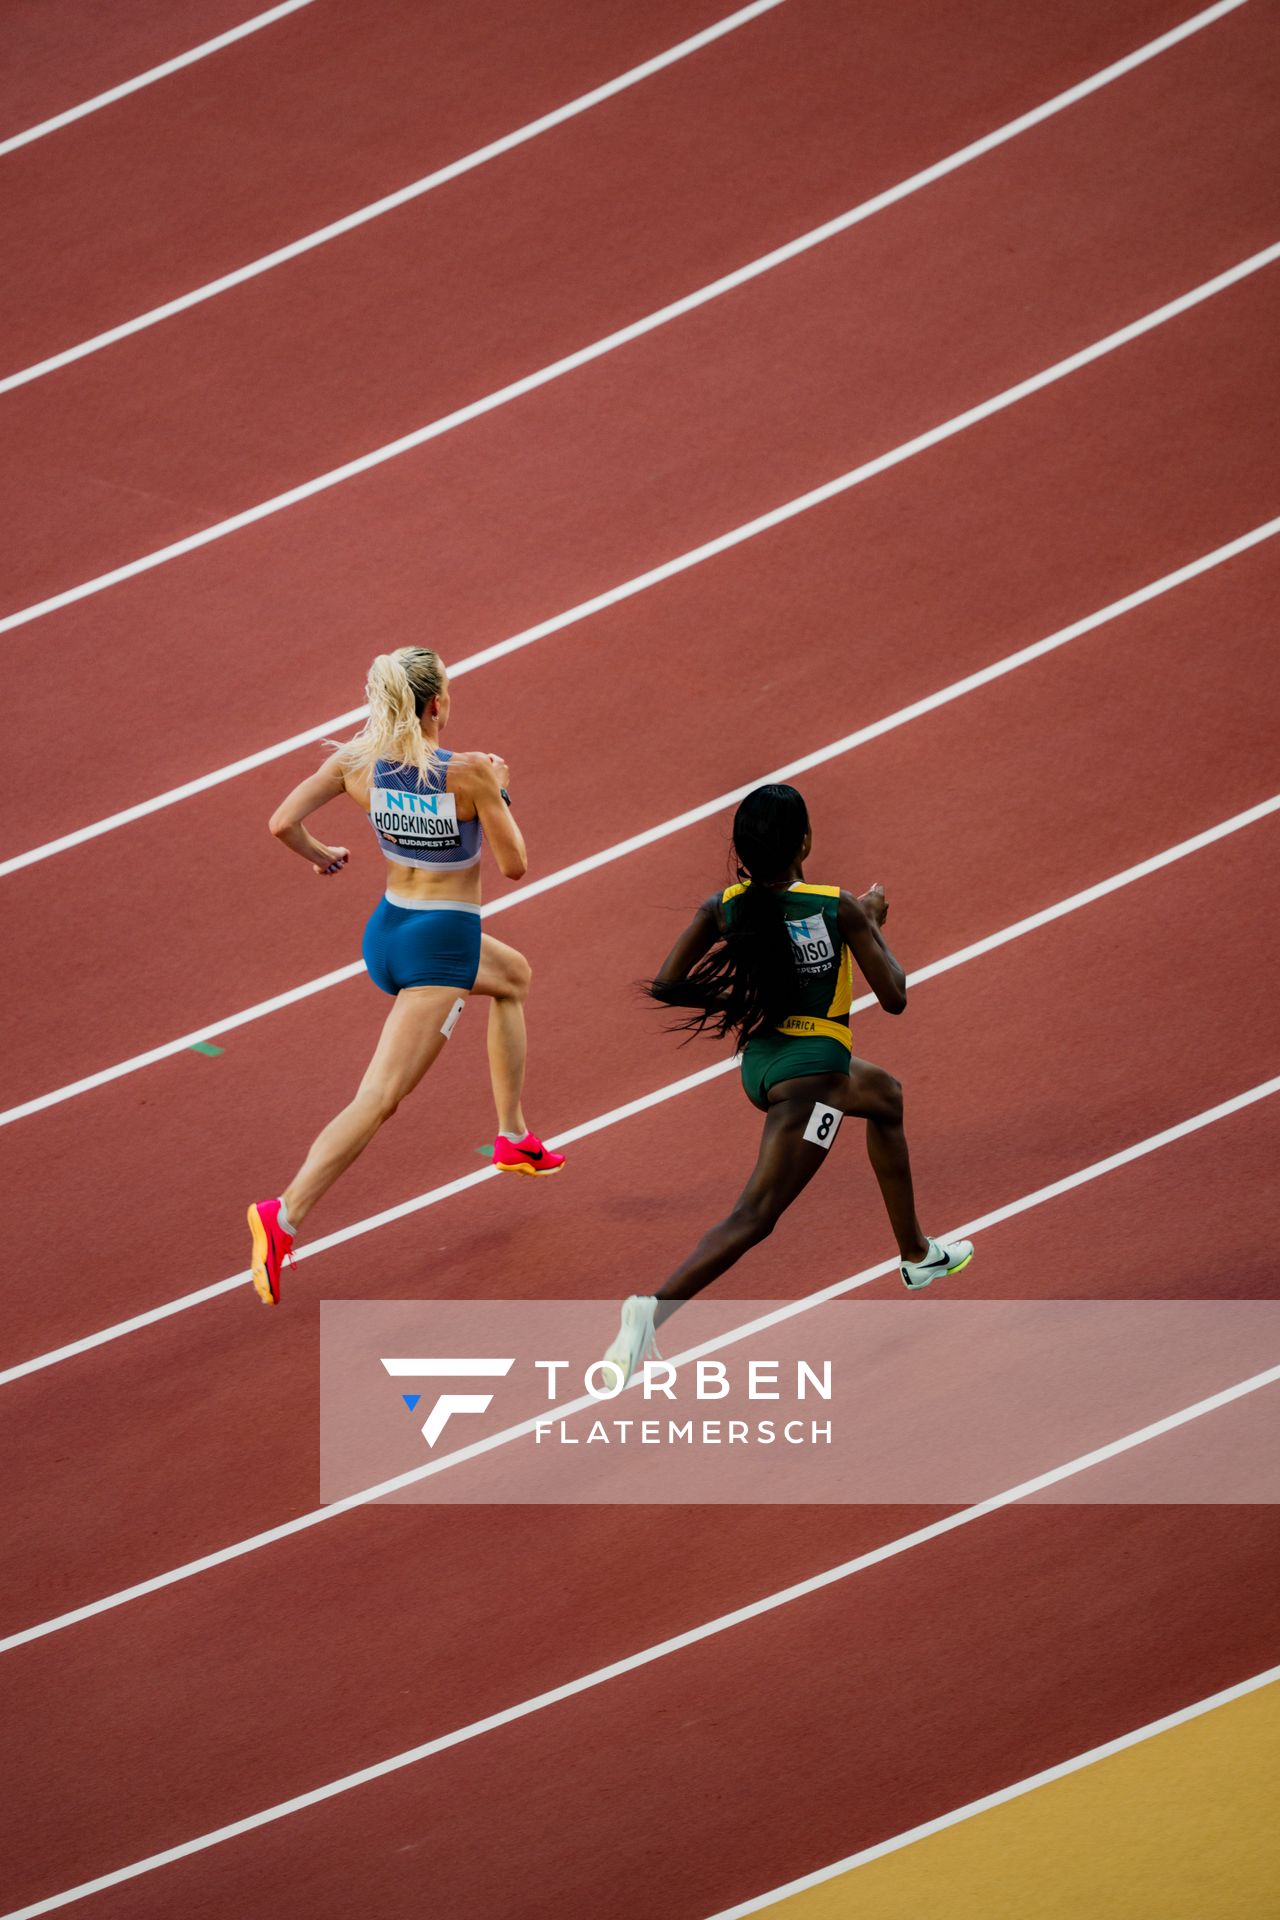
525, 1156
272, 1246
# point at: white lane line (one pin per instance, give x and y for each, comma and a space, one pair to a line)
678, 1643
152, 74
692, 816
613, 596
414, 191
1100, 890
1060, 1771
624, 336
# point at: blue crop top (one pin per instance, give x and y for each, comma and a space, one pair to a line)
416, 822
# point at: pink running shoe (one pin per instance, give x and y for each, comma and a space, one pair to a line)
525, 1156
272, 1246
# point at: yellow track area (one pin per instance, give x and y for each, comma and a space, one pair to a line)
1182, 1827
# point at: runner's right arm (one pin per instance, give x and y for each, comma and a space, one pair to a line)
697, 939
286, 823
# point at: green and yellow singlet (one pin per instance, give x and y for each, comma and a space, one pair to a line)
814, 1038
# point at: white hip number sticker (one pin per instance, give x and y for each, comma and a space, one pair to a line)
824, 1124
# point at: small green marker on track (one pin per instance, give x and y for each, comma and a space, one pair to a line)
205, 1046
486, 1153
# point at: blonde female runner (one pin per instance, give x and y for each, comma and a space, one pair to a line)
430, 810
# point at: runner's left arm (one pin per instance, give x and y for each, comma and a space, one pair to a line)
484, 777
286, 822
861, 917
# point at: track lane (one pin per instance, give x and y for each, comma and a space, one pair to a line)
571, 468
230, 1384
1000, 535
277, 135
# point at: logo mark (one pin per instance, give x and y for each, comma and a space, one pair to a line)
427, 1368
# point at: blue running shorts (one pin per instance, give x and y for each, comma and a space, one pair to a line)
422, 943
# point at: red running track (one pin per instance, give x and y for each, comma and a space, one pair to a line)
641, 200
281, 133
73, 50
832, 359
968, 1662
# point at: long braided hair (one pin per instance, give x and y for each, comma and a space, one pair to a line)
747, 984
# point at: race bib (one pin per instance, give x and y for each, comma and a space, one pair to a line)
811, 944
421, 822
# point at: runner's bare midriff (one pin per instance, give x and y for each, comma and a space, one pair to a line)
414, 883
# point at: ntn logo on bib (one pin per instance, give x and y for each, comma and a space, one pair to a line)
811, 940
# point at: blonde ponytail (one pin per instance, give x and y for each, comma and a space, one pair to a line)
399, 686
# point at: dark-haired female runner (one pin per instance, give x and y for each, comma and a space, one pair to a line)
770, 961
